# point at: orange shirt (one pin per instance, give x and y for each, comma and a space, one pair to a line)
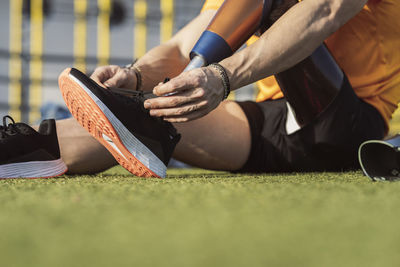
367, 48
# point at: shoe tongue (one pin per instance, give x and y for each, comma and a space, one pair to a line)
24, 128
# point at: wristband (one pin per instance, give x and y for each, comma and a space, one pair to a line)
224, 78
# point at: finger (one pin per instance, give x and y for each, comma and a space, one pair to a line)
184, 81
117, 80
103, 73
98, 75
179, 111
174, 100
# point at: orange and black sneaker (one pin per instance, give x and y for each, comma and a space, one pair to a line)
26, 153
140, 143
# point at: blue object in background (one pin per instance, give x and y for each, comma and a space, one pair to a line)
51, 110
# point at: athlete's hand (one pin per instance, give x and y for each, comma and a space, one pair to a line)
115, 76
189, 96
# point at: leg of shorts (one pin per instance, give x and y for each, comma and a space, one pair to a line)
329, 143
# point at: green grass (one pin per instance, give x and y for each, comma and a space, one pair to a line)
200, 218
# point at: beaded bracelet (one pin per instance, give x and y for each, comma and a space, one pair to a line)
224, 78
138, 74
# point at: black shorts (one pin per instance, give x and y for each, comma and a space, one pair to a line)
329, 143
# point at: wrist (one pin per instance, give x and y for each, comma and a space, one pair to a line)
137, 75
224, 79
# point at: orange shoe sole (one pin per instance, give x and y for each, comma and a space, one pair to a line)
91, 117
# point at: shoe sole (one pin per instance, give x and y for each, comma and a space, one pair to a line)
33, 169
103, 125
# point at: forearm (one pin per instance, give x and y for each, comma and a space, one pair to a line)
162, 61
291, 39
170, 59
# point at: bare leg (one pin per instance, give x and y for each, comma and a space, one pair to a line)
220, 141
80, 151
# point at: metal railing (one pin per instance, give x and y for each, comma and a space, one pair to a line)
25, 77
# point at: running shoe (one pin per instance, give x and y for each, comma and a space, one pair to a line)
140, 143
26, 153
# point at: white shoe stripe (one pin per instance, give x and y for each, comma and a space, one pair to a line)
111, 143
33, 169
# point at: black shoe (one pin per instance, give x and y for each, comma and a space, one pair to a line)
26, 153
142, 144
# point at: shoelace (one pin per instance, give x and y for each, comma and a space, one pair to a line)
7, 130
126, 92
135, 99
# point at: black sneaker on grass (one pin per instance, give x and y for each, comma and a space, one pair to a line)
26, 153
142, 144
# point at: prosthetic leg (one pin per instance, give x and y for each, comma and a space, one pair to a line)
309, 87
234, 23
380, 159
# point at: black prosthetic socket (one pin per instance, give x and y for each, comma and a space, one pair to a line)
311, 85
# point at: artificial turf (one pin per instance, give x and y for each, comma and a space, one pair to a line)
200, 218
